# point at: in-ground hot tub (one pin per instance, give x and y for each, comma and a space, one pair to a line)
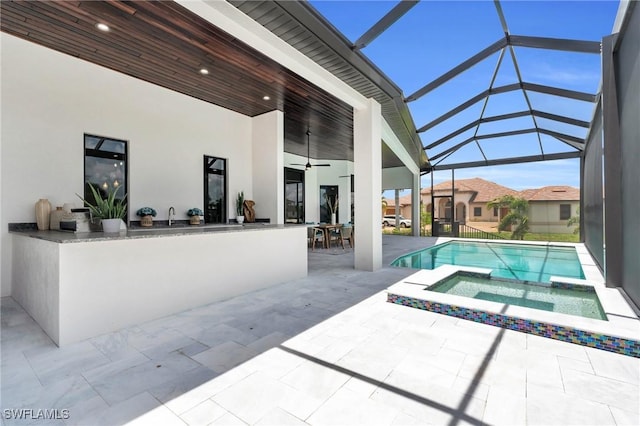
581, 300
616, 332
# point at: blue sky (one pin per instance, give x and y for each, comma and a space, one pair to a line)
435, 36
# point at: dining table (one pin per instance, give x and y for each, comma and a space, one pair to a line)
327, 228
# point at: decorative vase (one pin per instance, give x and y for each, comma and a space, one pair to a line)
146, 220
195, 220
240, 219
43, 210
333, 218
111, 226
55, 218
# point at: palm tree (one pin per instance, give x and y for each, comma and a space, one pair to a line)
517, 215
384, 205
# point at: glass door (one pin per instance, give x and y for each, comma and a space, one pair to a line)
293, 196
328, 201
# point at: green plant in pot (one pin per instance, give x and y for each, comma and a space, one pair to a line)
110, 210
195, 214
240, 207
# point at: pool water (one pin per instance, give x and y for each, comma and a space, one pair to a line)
522, 262
567, 301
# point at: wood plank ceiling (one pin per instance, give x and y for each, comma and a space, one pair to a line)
163, 43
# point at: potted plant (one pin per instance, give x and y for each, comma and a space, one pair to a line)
240, 207
110, 209
146, 215
195, 214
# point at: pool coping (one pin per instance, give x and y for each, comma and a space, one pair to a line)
618, 334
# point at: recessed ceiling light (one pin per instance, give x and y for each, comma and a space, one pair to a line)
266, 98
204, 71
102, 27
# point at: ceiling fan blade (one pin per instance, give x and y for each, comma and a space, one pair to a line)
321, 165
297, 164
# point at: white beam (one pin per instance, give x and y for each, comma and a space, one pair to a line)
232, 20
392, 141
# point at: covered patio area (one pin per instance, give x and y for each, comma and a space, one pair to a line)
325, 349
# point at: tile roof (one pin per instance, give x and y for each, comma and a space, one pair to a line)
405, 200
551, 193
485, 190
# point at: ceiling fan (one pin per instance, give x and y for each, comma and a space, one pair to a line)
309, 165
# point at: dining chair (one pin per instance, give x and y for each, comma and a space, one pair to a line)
347, 234
315, 234
335, 234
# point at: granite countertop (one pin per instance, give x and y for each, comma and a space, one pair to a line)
139, 232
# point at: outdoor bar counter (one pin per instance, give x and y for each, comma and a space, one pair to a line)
81, 285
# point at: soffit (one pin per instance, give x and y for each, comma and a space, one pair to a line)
302, 27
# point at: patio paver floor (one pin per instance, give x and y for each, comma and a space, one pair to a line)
326, 349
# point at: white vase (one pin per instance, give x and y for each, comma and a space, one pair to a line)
240, 219
43, 210
333, 218
111, 225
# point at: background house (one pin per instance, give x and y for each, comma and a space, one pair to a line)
550, 207
471, 198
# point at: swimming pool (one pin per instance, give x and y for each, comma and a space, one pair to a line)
577, 300
522, 262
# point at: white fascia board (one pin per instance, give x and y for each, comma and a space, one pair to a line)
230, 19
392, 141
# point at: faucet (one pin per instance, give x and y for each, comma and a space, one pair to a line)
172, 214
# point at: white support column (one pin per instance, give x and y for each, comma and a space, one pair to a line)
416, 213
268, 166
367, 140
396, 199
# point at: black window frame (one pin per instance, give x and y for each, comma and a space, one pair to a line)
110, 155
205, 193
565, 213
295, 173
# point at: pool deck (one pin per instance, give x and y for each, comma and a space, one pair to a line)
326, 349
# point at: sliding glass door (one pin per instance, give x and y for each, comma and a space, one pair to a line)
293, 196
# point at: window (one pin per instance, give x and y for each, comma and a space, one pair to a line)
293, 196
565, 211
215, 190
105, 167
477, 211
495, 212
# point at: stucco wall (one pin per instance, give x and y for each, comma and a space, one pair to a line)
544, 216
49, 100
487, 213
